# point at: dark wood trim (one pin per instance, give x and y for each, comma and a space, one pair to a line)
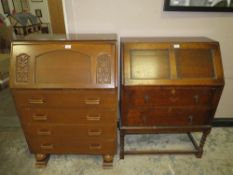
223, 122
168, 7
217, 122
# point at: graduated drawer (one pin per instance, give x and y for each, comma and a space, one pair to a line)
66, 98
63, 146
167, 116
67, 115
70, 131
168, 96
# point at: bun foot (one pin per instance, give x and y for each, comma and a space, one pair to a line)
107, 161
41, 160
199, 154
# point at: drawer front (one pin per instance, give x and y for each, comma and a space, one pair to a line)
67, 116
169, 96
63, 146
66, 98
167, 117
71, 131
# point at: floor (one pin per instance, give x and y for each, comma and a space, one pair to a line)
17, 160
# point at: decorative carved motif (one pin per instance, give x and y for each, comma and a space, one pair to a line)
22, 67
103, 69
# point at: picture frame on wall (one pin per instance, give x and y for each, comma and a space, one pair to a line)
38, 13
17, 6
5, 6
21, 5
199, 5
25, 5
37, 0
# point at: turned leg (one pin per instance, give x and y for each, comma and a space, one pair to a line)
201, 145
122, 144
41, 160
107, 161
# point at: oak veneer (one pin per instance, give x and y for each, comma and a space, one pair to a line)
65, 91
169, 85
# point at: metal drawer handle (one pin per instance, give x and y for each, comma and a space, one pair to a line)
173, 91
146, 98
40, 117
170, 109
95, 146
92, 101
196, 99
44, 133
144, 118
93, 117
190, 117
36, 101
95, 132
47, 146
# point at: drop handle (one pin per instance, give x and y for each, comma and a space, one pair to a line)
144, 119
196, 99
190, 118
146, 98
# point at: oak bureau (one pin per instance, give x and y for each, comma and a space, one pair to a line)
169, 85
65, 91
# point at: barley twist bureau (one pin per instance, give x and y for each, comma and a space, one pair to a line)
65, 91
169, 85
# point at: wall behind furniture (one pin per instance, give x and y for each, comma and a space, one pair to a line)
146, 18
10, 3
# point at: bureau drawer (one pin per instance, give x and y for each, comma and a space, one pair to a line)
67, 116
63, 146
169, 96
66, 98
167, 117
70, 131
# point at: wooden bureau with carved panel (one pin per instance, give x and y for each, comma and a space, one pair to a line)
65, 91
169, 85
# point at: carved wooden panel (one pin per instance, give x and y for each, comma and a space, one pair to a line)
22, 67
103, 69
63, 67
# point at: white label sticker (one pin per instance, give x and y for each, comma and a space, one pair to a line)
67, 46
176, 2
176, 46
